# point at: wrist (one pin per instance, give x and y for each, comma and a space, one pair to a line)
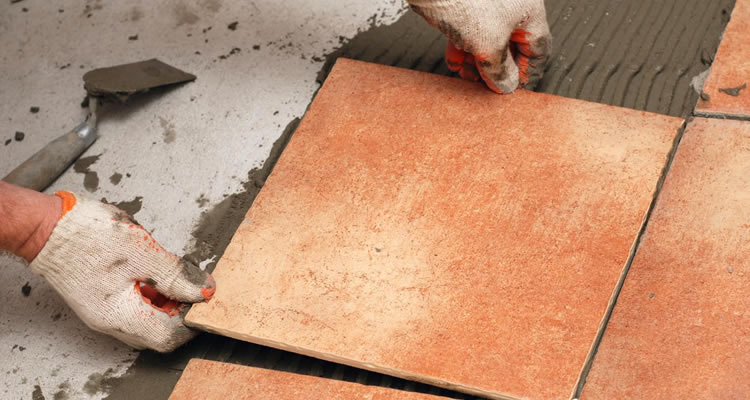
50, 212
28, 218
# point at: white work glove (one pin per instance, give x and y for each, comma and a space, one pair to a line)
505, 42
98, 261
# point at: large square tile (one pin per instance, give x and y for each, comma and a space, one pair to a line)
424, 227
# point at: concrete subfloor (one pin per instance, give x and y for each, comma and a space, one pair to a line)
183, 159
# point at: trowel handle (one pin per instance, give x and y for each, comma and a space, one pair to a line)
41, 169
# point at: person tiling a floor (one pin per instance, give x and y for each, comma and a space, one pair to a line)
104, 271
119, 281
111, 271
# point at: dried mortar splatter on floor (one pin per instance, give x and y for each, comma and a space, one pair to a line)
90, 178
115, 178
131, 207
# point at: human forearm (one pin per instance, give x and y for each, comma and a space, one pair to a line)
27, 219
111, 271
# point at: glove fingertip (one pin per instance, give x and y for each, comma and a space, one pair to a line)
499, 71
502, 86
190, 285
209, 288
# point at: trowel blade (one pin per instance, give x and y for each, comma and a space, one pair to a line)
123, 81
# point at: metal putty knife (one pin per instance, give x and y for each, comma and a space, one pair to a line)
119, 82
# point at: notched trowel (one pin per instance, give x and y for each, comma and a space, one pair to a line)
119, 82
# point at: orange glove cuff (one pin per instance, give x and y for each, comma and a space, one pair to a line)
68, 201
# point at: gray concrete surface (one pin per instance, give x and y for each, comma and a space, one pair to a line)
181, 151
192, 158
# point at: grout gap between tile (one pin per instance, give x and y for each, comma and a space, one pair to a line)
580, 383
713, 115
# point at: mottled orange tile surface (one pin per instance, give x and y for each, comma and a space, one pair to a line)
731, 68
427, 228
211, 380
681, 326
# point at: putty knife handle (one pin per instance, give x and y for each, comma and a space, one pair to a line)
41, 169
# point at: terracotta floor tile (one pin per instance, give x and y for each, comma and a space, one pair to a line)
211, 380
424, 227
731, 68
681, 327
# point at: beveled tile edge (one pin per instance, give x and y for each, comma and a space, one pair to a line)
196, 362
591, 356
353, 363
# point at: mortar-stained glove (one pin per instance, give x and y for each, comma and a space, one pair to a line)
117, 278
505, 42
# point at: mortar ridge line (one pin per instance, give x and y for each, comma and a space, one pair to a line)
667, 62
597, 16
581, 382
632, 46
644, 60
593, 67
561, 74
686, 61
424, 53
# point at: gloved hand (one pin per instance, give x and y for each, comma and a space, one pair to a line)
109, 270
505, 42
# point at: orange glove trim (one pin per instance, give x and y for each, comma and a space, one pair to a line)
520, 38
454, 57
462, 62
68, 201
160, 302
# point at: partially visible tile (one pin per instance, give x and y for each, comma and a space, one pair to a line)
211, 380
424, 227
730, 69
681, 326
